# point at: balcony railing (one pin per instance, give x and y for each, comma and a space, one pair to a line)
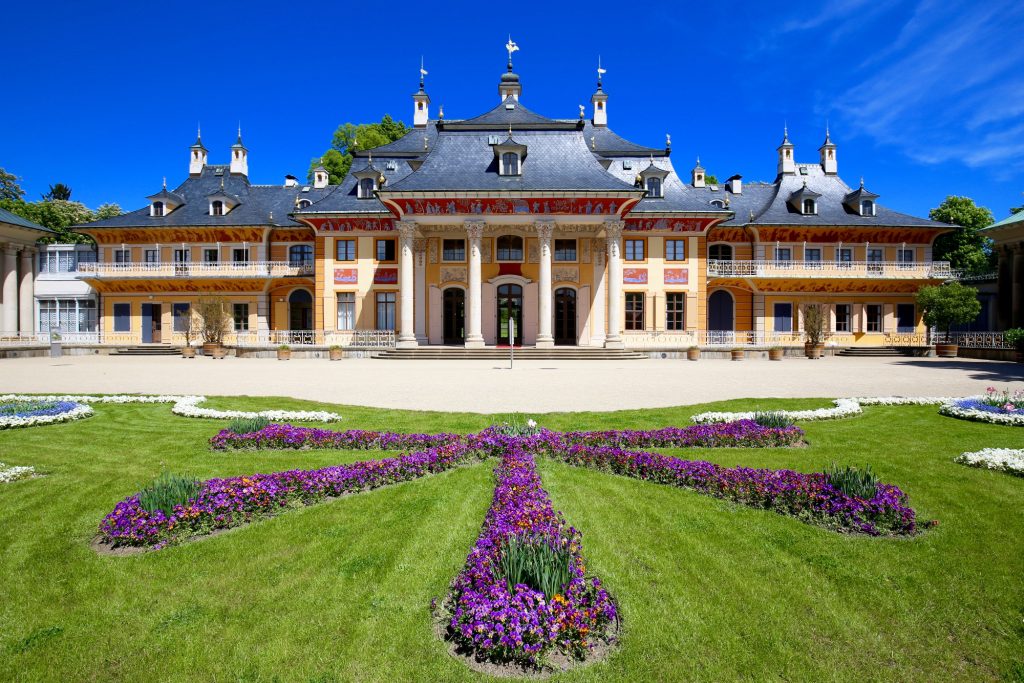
347, 339
975, 340
883, 270
205, 269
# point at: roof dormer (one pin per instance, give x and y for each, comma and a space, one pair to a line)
510, 155
861, 201
804, 201
164, 202
321, 177
368, 180
221, 203
652, 179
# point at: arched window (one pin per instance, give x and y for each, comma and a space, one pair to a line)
158, 209
720, 252
510, 248
366, 188
810, 207
217, 208
509, 163
867, 208
718, 203
303, 203
300, 255
654, 187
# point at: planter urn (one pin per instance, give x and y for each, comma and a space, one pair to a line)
335, 354
692, 354
220, 352
208, 348
774, 354
946, 350
737, 354
813, 351
284, 354
188, 352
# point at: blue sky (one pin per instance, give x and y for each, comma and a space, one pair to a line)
924, 98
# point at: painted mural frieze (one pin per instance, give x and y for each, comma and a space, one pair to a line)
453, 274
565, 274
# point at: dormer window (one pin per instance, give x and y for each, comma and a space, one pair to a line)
654, 187
867, 208
810, 207
718, 203
157, 210
366, 188
303, 203
509, 163
217, 208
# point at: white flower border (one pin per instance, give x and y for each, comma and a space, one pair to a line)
10, 474
76, 413
186, 406
953, 410
844, 407
1001, 459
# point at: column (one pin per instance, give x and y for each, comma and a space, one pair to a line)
419, 249
600, 295
406, 286
613, 235
474, 337
1004, 282
544, 338
10, 289
1018, 286
26, 292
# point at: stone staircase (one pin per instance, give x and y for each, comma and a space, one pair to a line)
147, 350
502, 353
875, 352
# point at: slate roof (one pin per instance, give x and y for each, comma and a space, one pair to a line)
343, 198
14, 219
678, 196
1010, 221
509, 111
607, 143
409, 144
258, 203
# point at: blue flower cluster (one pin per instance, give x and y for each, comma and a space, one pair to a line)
25, 409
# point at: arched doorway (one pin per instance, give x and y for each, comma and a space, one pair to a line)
720, 311
300, 310
565, 316
510, 307
454, 315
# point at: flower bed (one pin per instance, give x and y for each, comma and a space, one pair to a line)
743, 433
978, 410
1002, 459
29, 413
808, 497
285, 436
186, 406
842, 407
10, 474
224, 503
522, 624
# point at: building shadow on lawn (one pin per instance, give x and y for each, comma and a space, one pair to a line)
995, 371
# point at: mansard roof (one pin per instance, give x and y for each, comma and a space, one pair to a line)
509, 112
267, 205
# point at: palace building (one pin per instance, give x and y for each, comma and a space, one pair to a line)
462, 226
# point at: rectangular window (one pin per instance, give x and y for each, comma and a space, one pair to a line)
122, 317
151, 256
180, 316
346, 310
453, 250
844, 258
47, 314
905, 258
345, 250
565, 250
874, 315
783, 257
675, 250
182, 255
675, 310
875, 258
844, 318
635, 250
386, 250
86, 315
905, 318
210, 256
386, 310
783, 315
240, 316
812, 258
122, 256
634, 310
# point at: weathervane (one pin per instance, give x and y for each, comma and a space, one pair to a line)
600, 71
511, 47
423, 72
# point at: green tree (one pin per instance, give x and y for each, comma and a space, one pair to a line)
9, 187
711, 179
59, 216
108, 211
59, 191
350, 137
949, 304
965, 248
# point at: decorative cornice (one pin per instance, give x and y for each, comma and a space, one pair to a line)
407, 229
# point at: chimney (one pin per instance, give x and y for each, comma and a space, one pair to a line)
291, 181
735, 184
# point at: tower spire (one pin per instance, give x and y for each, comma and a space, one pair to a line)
421, 102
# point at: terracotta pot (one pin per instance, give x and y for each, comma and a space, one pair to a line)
188, 352
283, 354
813, 351
692, 354
209, 348
336, 354
220, 352
946, 350
774, 354
737, 354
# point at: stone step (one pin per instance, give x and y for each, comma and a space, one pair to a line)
882, 352
492, 353
147, 351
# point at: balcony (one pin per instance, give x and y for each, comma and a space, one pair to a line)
206, 269
858, 270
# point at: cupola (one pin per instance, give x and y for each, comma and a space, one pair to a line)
510, 85
697, 175
197, 155
321, 177
239, 157
600, 100
421, 103
804, 201
787, 164
652, 179
164, 202
510, 155
827, 155
861, 201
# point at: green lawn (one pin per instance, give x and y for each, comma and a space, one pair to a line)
708, 590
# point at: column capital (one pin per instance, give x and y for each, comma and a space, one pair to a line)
613, 229
28, 252
545, 229
419, 245
406, 228
475, 229
10, 249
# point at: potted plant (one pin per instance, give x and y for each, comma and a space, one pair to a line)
1015, 338
185, 320
947, 305
214, 321
693, 353
814, 330
335, 352
284, 352
775, 353
219, 351
56, 350
738, 354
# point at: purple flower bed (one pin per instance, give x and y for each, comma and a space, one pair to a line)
522, 625
285, 436
225, 503
808, 497
741, 433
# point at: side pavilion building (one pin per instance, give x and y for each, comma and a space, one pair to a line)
559, 228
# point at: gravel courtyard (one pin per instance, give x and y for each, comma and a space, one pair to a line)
487, 386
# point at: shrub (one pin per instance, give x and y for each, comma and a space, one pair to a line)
1015, 338
854, 482
536, 563
168, 491
248, 425
284, 347
773, 418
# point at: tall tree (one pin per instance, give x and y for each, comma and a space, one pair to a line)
59, 191
9, 187
350, 137
965, 248
59, 215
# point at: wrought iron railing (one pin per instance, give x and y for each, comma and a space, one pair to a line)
896, 270
347, 339
211, 269
974, 340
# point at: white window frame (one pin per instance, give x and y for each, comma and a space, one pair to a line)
346, 310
